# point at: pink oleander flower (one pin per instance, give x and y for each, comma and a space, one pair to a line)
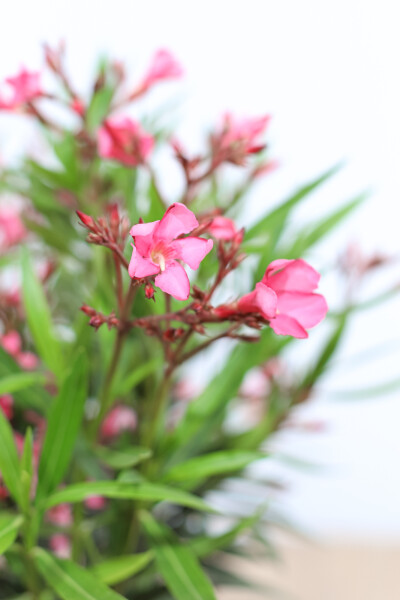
261, 301
298, 307
124, 140
12, 344
6, 405
60, 515
95, 502
238, 138
163, 66
222, 228
60, 545
12, 229
158, 247
119, 419
23, 87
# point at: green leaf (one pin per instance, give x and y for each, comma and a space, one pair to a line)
99, 107
9, 527
178, 565
203, 546
9, 463
70, 581
215, 463
123, 460
20, 381
119, 569
113, 489
316, 232
26, 469
272, 224
137, 376
63, 426
39, 318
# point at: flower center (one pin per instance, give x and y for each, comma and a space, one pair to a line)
160, 254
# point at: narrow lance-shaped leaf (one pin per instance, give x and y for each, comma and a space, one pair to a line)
119, 569
9, 463
215, 463
178, 565
39, 318
20, 381
114, 489
9, 527
70, 581
63, 426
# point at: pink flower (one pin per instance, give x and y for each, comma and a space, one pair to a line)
124, 140
95, 502
298, 307
60, 515
12, 229
238, 138
61, 545
6, 405
222, 228
119, 419
156, 250
11, 343
261, 301
163, 66
25, 87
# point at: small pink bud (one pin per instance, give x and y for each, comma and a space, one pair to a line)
78, 107
86, 220
95, 502
61, 545
6, 405
149, 291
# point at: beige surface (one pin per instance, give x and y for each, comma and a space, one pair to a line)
345, 571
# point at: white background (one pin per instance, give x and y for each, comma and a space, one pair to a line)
328, 72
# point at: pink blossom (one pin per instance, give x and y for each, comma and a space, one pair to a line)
222, 228
95, 502
78, 107
124, 140
298, 307
12, 229
60, 545
157, 249
261, 301
255, 385
12, 344
60, 515
23, 87
119, 419
238, 138
6, 405
163, 66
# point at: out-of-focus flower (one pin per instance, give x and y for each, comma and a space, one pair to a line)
222, 228
60, 545
238, 138
12, 229
60, 515
298, 307
163, 66
119, 419
95, 502
78, 107
156, 250
6, 405
12, 344
22, 88
124, 140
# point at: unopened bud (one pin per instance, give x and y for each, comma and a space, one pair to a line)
86, 220
149, 292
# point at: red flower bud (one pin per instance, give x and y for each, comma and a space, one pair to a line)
86, 220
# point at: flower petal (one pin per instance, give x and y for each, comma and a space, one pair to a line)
307, 309
174, 281
141, 267
285, 325
191, 250
296, 275
261, 300
142, 233
177, 220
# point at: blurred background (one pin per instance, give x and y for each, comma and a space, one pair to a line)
327, 73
